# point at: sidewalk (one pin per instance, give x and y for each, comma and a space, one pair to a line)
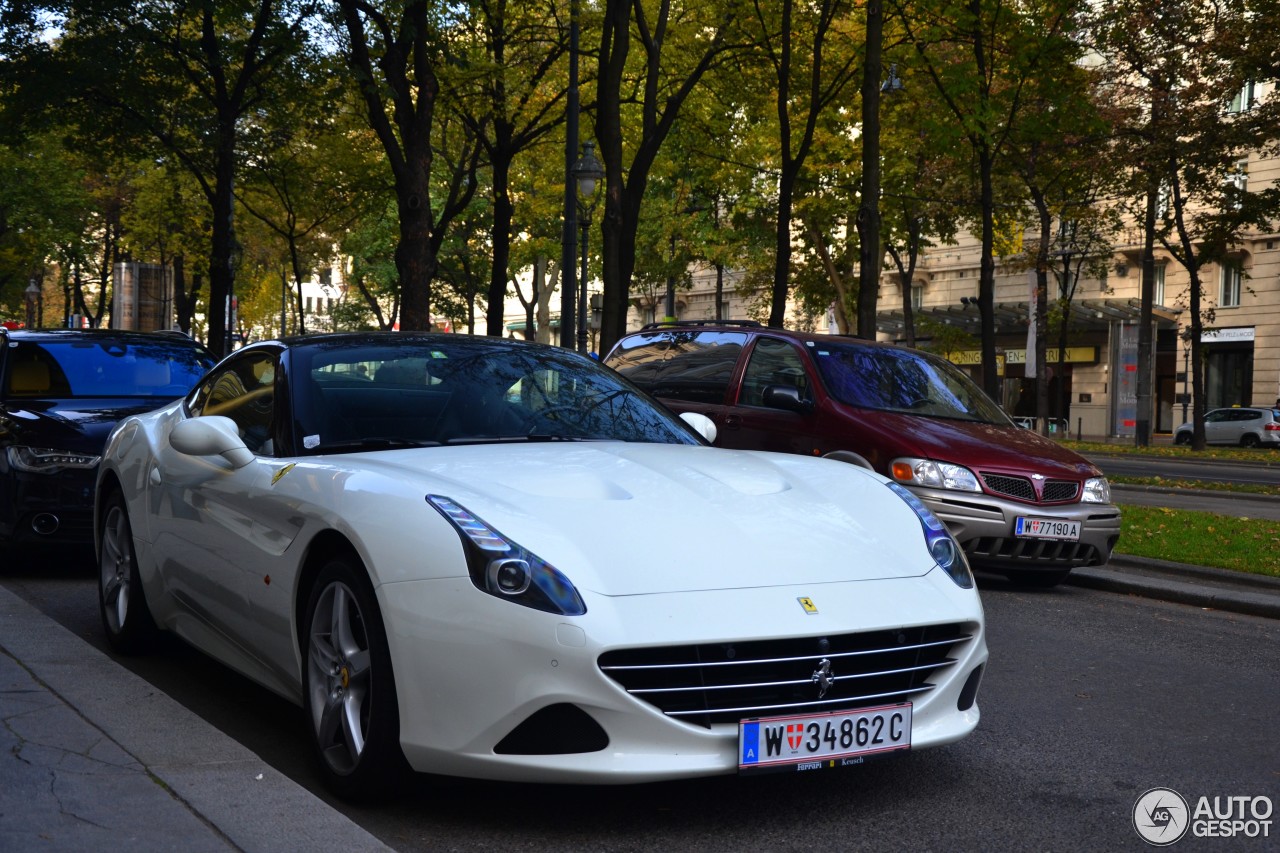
94, 757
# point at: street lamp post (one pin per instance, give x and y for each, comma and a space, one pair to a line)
587, 172
568, 255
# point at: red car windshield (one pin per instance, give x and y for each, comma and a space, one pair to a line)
893, 379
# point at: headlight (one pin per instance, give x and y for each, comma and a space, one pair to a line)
503, 569
936, 475
47, 460
1096, 491
943, 547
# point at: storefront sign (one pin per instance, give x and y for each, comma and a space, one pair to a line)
1240, 334
1075, 355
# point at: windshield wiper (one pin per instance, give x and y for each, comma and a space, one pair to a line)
507, 439
375, 443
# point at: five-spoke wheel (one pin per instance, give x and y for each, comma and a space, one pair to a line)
349, 691
126, 619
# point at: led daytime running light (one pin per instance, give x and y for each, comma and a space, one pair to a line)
943, 548
480, 534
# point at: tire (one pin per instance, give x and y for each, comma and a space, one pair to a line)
1182, 438
1039, 580
1248, 440
126, 618
349, 691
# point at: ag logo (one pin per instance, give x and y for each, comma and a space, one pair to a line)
1161, 816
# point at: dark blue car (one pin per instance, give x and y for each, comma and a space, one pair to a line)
61, 392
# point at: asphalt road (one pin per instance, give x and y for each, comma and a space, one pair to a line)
1090, 699
1265, 472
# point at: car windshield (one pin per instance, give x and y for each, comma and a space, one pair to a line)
356, 397
893, 379
103, 368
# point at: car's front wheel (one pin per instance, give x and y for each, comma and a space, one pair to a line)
350, 691
1182, 438
126, 619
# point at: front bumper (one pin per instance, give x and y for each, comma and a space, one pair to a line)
471, 669
47, 509
983, 524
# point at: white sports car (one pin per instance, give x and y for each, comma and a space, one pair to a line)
485, 558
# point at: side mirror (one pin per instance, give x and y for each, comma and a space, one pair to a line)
213, 435
701, 424
786, 397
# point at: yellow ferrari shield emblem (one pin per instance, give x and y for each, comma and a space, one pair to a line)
808, 605
275, 478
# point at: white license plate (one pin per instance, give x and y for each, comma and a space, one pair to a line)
1046, 528
817, 741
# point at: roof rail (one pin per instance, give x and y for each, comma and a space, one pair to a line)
749, 324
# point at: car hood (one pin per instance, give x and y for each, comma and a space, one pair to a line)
628, 519
982, 446
80, 424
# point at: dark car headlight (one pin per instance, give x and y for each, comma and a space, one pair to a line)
504, 569
48, 460
943, 547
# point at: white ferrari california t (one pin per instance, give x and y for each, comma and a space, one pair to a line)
487, 558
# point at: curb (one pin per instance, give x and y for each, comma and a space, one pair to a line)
1207, 493
1215, 589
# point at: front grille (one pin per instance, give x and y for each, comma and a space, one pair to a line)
1060, 490
1021, 488
994, 551
727, 682
1018, 488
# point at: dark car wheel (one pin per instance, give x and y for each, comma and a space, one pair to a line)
126, 619
1248, 440
1182, 438
349, 689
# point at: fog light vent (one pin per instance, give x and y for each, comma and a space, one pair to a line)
555, 730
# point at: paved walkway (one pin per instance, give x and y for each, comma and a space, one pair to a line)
94, 757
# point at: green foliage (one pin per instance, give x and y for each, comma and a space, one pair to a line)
1201, 539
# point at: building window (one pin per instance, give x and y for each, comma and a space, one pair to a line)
1230, 295
917, 297
1157, 296
308, 308
1243, 100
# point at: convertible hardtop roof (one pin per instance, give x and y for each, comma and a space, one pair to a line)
385, 338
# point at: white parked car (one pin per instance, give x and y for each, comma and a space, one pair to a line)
1248, 427
487, 558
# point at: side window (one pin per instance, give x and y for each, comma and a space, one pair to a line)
773, 362
1215, 417
243, 390
695, 366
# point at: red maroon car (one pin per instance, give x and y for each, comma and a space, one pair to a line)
1019, 503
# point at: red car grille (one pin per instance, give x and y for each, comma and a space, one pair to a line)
1022, 489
